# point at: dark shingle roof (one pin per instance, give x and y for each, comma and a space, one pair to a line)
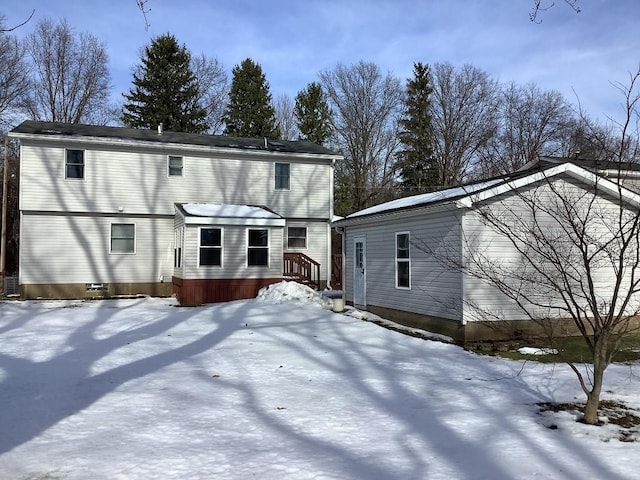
54, 128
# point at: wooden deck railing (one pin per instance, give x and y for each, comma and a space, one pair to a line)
302, 269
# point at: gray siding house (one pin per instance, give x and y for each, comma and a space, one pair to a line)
114, 211
409, 259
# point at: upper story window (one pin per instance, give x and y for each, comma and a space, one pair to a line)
123, 238
296, 237
403, 261
175, 166
282, 176
74, 164
210, 247
258, 248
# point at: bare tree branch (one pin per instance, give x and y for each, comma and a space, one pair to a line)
142, 5
539, 6
20, 25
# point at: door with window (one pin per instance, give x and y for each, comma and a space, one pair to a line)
359, 271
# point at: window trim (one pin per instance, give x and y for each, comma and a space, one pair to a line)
406, 260
169, 174
220, 247
67, 164
267, 247
306, 237
135, 238
276, 176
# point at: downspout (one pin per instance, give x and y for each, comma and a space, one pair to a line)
3, 239
341, 232
329, 242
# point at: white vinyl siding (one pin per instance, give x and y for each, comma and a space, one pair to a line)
137, 181
76, 249
483, 301
435, 289
318, 235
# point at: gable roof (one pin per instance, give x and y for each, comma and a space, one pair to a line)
467, 196
56, 129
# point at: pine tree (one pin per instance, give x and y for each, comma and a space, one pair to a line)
165, 90
416, 165
313, 114
249, 112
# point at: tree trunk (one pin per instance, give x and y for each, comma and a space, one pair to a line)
593, 397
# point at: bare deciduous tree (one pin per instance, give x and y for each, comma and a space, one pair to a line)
283, 107
213, 90
13, 75
70, 78
532, 122
566, 247
366, 106
464, 117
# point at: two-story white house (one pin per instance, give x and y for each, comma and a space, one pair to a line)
108, 211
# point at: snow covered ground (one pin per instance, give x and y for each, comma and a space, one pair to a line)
275, 388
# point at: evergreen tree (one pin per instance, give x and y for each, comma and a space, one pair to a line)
249, 112
313, 114
416, 165
165, 90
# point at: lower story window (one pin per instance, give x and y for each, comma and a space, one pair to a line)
210, 247
123, 238
297, 237
258, 248
403, 261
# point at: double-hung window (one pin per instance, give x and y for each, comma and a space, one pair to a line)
403, 261
210, 247
282, 176
258, 247
296, 237
175, 166
74, 164
123, 238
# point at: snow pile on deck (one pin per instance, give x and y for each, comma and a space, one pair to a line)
291, 291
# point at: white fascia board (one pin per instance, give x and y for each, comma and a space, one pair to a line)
247, 222
568, 168
177, 147
414, 211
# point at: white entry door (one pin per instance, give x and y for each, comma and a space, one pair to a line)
359, 271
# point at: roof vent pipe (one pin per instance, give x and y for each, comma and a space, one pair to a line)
160, 128
266, 142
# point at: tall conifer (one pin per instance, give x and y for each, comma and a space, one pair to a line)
165, 90
417, 168
249, 112
313, 114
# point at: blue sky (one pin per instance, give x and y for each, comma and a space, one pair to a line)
576, 54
